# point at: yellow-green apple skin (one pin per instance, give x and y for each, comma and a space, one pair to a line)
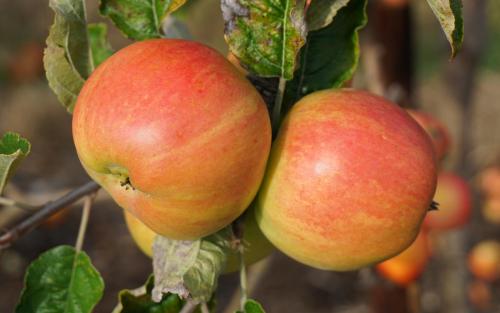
256, 244
349, 181
175, 134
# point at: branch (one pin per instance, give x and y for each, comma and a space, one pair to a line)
45, 212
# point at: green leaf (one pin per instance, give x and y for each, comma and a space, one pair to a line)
139, 20
99, 45
252, 306
189, 268
321, 13
449, 14
265, 35
13, 149
67, 58
330, 55
139, 301
61, 280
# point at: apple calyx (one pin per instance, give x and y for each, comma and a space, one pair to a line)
121, 174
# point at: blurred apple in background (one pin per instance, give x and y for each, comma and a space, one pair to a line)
484, 260
479, 294
489, 181
436, 130
407, 267
491, 210
453, 194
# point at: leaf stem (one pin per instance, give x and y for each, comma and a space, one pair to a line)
276, 116
204, 308
13, 203
84, 221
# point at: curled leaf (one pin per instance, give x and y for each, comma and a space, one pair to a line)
449, 14
13, 149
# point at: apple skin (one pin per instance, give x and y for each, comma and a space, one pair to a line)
454, 196
178, 122
256, 244
484, 260
406, 267
349, 181
437, 131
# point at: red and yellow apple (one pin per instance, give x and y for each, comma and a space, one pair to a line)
175, 134
437, 131
484, 260
256, 245
407, 266
454, 197
349, 181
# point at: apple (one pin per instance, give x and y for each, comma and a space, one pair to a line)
491, 210
490, 182
349, 181
256, 245
479, 295
484, 260
175, 134
437, 131
234, 60
454, 196
407, 266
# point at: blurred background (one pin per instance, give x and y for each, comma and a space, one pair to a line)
404, 56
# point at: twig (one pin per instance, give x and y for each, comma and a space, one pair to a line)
84, 222
45, 212
276, 117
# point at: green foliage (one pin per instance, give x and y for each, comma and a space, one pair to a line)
449, 14
13, 149
322, 13
139, 20
140, 301
265, 35
67, 58
330, 55
252, 306
61, 280
99, 45
189, 268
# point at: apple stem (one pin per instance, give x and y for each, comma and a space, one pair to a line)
87, 204
276, 118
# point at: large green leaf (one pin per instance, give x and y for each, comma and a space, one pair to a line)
189, 268
449, 14
252, 306
67, 58
13, 149
330, 55
61, 280
139, 20
265, 35
99, 45
321, 13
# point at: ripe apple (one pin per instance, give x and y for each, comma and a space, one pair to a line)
406, 267
484, 260
491, 210
175, 134
349, 181
257, 246
454, 197
437, 131
490, 182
